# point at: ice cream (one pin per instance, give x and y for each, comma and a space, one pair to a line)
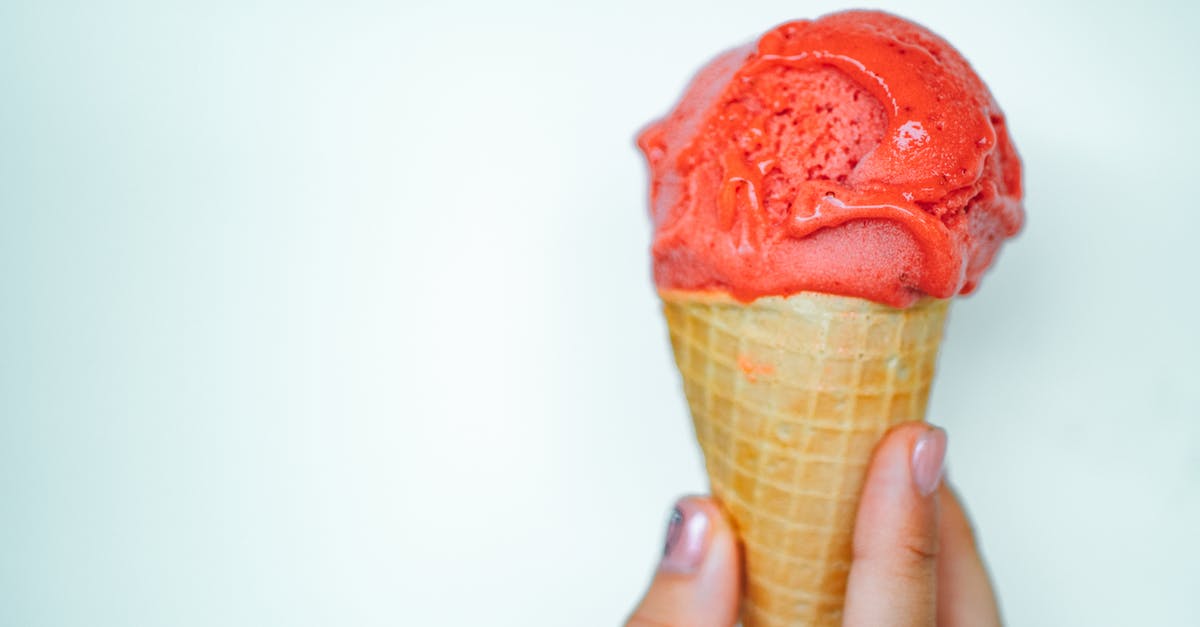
816, 199
857, 154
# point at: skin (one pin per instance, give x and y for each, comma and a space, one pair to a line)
915, 561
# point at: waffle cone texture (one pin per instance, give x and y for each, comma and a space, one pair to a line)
789, 397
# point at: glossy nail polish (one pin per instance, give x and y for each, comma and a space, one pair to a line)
928, 460
687, 538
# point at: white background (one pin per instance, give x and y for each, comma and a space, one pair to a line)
341, 313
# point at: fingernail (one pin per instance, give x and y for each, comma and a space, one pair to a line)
687, 532
928, 460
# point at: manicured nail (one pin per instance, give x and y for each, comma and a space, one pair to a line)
928, 460
687, 533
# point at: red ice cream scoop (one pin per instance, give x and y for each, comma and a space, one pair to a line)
857, 155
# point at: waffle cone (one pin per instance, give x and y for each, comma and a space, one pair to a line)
789, 397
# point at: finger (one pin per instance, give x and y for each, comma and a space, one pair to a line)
893, 575
965, 595
697, 580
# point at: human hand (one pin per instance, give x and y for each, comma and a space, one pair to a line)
915, 561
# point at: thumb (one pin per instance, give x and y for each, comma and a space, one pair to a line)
893, 576
696, 584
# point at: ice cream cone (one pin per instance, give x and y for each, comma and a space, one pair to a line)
789, 396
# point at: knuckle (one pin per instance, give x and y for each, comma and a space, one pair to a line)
914, 560
908, 553
919, 553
